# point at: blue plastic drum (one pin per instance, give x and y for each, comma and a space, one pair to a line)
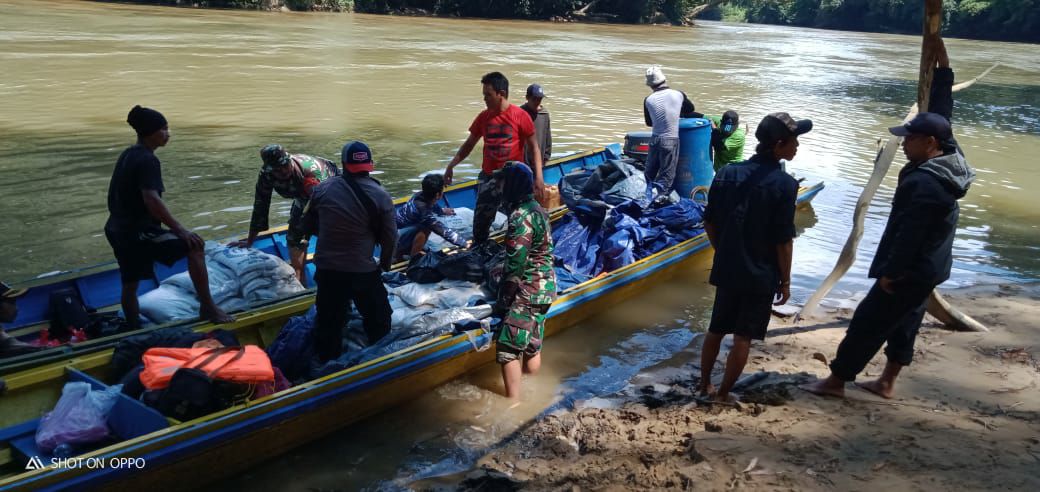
694, 173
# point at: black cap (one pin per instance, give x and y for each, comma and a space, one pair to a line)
145, 121
930, 124
9, 293
779, 126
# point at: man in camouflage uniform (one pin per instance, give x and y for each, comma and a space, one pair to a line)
528, 284
292, 176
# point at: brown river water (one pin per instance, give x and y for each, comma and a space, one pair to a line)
230, 82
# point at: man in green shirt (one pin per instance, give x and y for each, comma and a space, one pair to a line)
727, 139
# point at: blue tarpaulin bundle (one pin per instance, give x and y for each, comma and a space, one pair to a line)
628, 233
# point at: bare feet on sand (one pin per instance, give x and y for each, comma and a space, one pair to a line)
881, 388
826, 387
706, 390
728, 398
215, 315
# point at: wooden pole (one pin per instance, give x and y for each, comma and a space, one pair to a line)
929, 43
883, 160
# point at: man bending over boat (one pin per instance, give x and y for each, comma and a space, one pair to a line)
293, 176
662, 110
916, 250
351, 214
528, 284
750, 223
506, 130
419, 217
137, 213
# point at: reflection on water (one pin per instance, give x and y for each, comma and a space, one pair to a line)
230, 82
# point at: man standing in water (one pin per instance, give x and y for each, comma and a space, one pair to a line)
136, 214
293, 176
750, 223
662, 110
528, 281
916, 250
506, 130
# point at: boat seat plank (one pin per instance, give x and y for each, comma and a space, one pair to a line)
104, 289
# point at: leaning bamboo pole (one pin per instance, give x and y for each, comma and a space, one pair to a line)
937, 306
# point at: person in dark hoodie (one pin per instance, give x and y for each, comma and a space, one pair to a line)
915, 252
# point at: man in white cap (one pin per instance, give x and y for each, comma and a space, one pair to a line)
662, 110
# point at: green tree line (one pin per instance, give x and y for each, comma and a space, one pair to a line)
1007, 20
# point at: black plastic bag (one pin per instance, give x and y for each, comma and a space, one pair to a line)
422, 269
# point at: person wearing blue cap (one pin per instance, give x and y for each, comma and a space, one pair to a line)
540, 117
915, 253
293, 176
136, 216
351, 214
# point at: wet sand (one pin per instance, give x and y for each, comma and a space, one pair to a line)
966, 415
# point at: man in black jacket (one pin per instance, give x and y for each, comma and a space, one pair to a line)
915, 252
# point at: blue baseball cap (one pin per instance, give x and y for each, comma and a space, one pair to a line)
535, 90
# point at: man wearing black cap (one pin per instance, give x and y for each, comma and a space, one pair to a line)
10, 346
540, 117
750, 223
136, 214
916, 250
293, 176
351, 215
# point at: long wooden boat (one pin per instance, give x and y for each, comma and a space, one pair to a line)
155, 451
100, 289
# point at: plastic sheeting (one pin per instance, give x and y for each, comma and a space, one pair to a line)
462, 223
628, 232
238, 277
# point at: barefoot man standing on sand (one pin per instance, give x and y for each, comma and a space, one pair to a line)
750, 223
916, 250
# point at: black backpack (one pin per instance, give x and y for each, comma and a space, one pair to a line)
67, 313
193, 392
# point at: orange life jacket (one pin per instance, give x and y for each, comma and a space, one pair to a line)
160, 363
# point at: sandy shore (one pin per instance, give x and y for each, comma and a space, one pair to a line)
966, 416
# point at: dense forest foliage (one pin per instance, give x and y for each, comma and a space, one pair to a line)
1009, 20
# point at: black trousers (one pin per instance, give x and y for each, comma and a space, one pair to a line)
882, 317
336, 292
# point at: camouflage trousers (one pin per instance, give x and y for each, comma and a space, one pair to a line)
489, 200
522, 332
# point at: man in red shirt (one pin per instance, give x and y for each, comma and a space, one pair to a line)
506, 129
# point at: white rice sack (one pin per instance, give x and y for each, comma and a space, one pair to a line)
416, 294
168, 303
222, 284
245, 261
